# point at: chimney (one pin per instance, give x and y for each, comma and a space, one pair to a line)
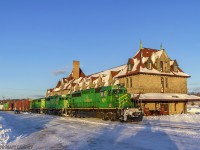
76, 69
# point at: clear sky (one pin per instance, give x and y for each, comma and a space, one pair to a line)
39, 39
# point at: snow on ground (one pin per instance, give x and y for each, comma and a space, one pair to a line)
193, 109
39, 131
4, 136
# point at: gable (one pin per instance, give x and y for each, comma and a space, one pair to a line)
164, 56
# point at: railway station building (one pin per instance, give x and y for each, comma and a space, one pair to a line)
156, 83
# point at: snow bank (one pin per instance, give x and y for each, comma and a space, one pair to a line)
4, 133
193, 109
4, 136
193, 119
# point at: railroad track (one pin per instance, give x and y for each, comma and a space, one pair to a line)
152, 124
166, 125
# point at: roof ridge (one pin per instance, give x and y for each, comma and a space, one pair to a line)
105, 70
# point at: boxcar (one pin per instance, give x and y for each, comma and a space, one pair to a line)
22, 105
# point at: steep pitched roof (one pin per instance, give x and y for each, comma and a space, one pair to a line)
114, 73
140, 66
81, 73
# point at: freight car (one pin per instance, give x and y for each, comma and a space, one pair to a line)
108, 103
8, 105
21, 105
5, 106
16, 105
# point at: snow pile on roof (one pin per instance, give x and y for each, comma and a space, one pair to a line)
155, 57
146, 61
104, 78
56, 89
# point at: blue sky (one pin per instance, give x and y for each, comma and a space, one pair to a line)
40, 38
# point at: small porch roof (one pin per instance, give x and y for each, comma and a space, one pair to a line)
165, 97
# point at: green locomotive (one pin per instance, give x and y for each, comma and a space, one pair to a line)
108, 103
55, 105
38, 105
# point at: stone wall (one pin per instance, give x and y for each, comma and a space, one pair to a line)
143, 83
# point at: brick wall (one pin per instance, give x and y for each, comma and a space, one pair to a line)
142, 83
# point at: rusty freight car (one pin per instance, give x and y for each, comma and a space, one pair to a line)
22, 105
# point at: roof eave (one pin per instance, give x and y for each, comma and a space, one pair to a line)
152, 74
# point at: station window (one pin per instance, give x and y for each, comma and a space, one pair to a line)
149, 65
166, 66
162, 85
130, 66
161, 66
131, 83
175, 68
166, 82
162, 80
174, 106
166, 107
127, 83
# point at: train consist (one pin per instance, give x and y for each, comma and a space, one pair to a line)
108, 102
22, 105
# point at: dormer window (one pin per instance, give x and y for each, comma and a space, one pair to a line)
161, 66
176, 68
149, 65
130, 66
166, 66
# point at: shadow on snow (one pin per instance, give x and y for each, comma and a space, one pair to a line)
128, 137
23, 125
